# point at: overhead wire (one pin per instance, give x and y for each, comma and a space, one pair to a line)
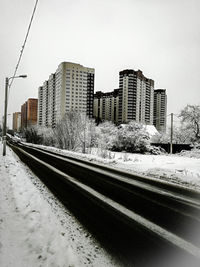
160, 117
23, 46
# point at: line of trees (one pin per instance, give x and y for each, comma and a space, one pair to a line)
77, 132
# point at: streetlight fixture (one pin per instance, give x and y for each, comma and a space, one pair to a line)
5, 110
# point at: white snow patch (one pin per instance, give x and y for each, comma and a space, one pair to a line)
194, 153
151, 130
183, 168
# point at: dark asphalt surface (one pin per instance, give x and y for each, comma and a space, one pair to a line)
130, 243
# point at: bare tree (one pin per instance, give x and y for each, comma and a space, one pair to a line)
181, 135
75, 132
86, 132
66, 131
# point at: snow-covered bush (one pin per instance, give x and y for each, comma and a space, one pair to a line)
194, 153
155, 150
132, 137
32, 136
39, 135
47, 135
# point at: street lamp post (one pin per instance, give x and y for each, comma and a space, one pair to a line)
3, 124
5, 110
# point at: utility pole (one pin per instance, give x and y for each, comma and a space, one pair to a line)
5, 117
5, 111
171, 139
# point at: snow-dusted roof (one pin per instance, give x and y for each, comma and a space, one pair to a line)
151, 130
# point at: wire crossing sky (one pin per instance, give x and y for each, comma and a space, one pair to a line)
23, 46
161, 38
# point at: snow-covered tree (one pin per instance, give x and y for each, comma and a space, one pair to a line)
106, 134
75, 132
132, 137
190, 117
86, 132
32, 136
67, 130
161, 138
181, 135
47, 135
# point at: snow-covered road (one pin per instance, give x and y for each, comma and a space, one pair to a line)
35, 229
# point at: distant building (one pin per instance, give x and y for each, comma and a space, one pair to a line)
71, 87
40, 105
46, 102
136, 95
106, 106
29, 113
160, 109
17, 121
24, 115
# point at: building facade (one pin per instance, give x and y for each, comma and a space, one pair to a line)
106, 106
136, 97
40, 107
24, 115
17, 121
29, 113
135, 100
160, 110
71, 87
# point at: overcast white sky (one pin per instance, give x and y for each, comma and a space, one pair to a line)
161, 38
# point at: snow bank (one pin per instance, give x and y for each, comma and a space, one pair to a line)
183, 168
35, 229
194, 153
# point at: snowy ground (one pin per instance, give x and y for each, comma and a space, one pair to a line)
183, 168
174, 168
35, 229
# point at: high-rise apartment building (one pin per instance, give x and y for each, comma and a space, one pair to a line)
24, 115
29, 113
71, 87
46, 102
17, 121
160, 109
136, 97
40, 107
106, 106
51, 100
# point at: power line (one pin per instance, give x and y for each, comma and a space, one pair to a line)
23, 46
161, 117
176, 115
